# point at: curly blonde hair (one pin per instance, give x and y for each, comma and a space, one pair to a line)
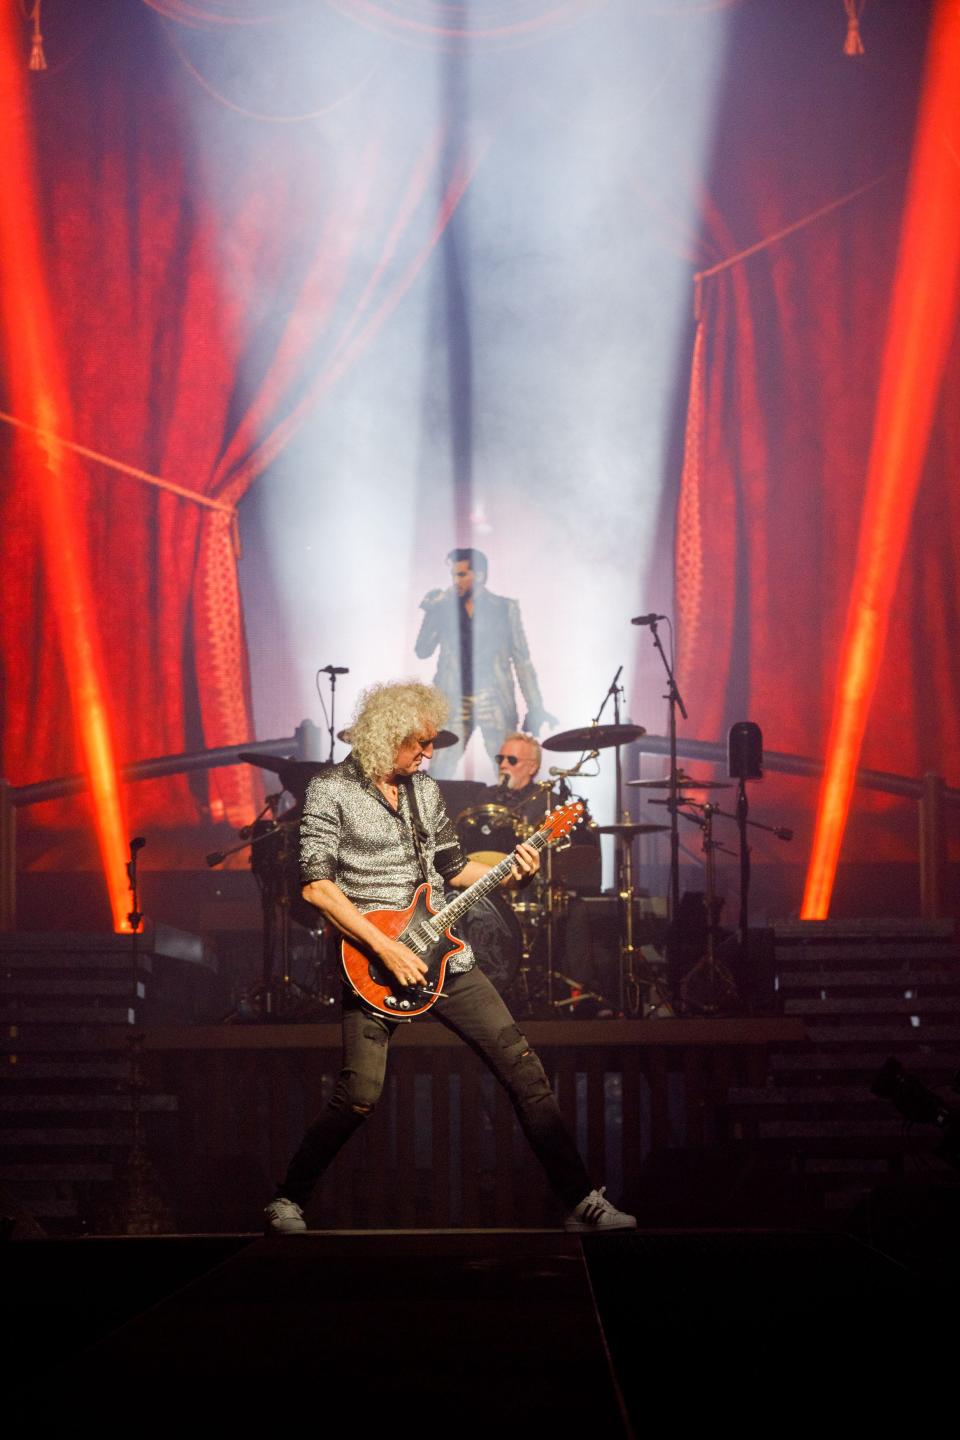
386, 715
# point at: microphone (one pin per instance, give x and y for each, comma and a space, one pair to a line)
782, 833
334, 670
216, 857
137, 843
556, 770
650, 619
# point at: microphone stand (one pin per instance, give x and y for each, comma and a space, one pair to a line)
143, 1212
675, 702
134, 915
332, 671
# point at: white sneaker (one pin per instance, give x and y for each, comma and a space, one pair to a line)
284, 1217
596, 1213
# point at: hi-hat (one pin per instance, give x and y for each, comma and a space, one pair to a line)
628, 829
593, 737
442, 740
684, 782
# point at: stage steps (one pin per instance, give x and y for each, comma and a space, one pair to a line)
865, 990
73, 1092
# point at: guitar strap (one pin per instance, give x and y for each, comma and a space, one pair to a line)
417, 828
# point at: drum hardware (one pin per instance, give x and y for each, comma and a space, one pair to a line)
709, 975
577, 995
488, 832
627, 829
636, 979
602, 737
589, 739
273, 848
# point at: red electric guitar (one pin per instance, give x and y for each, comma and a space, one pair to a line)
427, 933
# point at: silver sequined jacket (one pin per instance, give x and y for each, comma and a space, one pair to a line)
350, 835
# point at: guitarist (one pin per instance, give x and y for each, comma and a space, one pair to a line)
373, 829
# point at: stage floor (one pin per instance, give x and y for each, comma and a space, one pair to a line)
468, 1332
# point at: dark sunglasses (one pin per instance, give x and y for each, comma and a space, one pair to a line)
510, 759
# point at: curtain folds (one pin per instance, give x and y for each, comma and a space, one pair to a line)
780, 411
201, 315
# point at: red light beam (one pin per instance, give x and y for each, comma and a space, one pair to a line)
919, 331
36, 383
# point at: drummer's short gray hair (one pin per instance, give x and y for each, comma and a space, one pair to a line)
530, 740
386, 715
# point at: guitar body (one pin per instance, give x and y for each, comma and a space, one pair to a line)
374, 984
427, 933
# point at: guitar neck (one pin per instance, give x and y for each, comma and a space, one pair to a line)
451, 913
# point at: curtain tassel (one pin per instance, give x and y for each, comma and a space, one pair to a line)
853, 45
38, 61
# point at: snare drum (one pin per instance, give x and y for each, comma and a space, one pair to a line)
489, 833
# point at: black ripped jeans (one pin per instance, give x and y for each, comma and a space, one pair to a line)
476, 1012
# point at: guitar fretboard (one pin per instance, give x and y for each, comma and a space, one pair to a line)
451, 913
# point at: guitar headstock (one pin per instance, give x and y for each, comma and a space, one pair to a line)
560, 822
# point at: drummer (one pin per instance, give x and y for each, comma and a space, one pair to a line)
576, 870
518, 763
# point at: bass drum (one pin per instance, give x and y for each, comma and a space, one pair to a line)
492, 930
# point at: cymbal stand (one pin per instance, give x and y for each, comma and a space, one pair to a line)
628, 989
720, 984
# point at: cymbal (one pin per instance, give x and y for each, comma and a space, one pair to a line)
628, 829
593, 737
265, 762
684, 782
443, 740
295, 775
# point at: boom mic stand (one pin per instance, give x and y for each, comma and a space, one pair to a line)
143, 1210
332, 671
675, 702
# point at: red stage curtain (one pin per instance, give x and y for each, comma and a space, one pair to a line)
781, 406
200, 317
